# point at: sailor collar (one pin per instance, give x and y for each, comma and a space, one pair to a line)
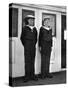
47, 28
30, 26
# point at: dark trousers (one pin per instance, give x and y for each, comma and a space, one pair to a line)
29, 61
45, 60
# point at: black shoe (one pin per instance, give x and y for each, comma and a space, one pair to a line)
43, 77
26, 80
34, 78
49, 76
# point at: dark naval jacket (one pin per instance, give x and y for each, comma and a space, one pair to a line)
45, 37
28, 35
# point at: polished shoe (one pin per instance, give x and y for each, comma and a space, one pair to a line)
26, 80
35, 78
43, 77
49, 76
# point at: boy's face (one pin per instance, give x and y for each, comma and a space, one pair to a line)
31, 21
46, 22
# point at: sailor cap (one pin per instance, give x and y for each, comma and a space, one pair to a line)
30, 16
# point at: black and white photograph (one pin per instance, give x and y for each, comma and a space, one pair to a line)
37, 44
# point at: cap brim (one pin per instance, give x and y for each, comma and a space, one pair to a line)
46, 19
30, 17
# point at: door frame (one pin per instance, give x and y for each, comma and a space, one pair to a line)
62, 69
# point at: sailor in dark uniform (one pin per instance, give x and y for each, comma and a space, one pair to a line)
45, 44
29, 40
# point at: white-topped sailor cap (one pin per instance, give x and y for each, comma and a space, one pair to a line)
30, 16
47, 17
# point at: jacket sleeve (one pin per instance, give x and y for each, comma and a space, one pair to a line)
52, 39
36, 36
40, 37
22, 36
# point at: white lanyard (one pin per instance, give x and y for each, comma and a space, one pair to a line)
31, 27
46, 28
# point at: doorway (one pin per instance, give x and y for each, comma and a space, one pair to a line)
63, 41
